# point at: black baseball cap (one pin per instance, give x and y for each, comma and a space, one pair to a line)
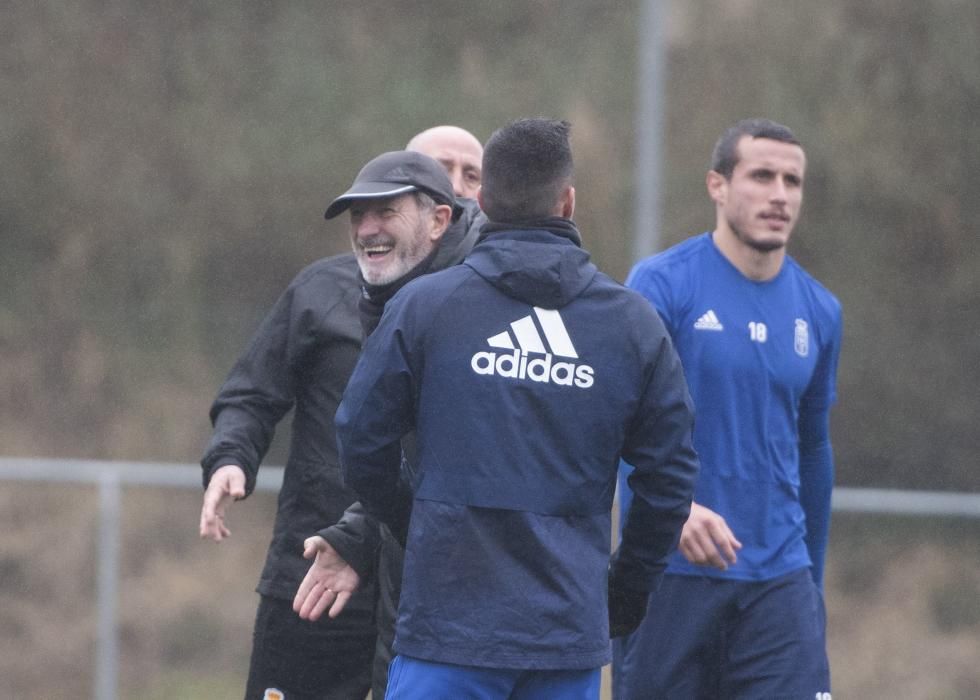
395, 173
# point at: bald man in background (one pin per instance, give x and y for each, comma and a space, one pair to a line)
301, 358
460, 153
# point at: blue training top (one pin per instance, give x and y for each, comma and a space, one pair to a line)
760, 359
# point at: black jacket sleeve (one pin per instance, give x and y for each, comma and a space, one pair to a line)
356, 537
627, 607
259, 391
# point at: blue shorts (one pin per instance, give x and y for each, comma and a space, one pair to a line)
718, 638
414, 679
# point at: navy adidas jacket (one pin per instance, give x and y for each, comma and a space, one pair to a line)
526, 374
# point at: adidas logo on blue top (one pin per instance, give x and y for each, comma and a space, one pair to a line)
523, 338
709, 322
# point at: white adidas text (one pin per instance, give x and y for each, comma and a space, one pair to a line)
516, 365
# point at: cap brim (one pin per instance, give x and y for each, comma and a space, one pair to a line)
365, 190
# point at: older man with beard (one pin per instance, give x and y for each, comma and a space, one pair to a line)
301, 358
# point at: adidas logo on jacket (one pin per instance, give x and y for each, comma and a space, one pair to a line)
517, 365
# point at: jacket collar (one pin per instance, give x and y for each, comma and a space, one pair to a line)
557, 225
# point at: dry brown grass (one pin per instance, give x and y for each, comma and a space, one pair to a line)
912, 630
903, 599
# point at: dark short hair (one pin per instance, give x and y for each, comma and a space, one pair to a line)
526, 166
724, 158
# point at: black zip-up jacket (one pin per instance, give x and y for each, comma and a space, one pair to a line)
301, 357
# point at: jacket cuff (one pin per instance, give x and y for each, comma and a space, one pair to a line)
212, 464
358, 550
633, 578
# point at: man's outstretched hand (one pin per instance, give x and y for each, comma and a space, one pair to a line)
329, 583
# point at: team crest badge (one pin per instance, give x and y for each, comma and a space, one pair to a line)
273, 694
801, 338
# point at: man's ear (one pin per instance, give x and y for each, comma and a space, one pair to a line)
717, 186
442, 214
479, 197
566, 203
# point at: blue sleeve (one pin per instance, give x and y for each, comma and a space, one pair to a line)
659, 465
816, 454
816, 485
625, 493
655, 288
642, 279
376, 411
660, 448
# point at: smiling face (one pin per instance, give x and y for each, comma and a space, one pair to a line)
759, 205
391, 235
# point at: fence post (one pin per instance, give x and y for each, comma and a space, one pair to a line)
107, 659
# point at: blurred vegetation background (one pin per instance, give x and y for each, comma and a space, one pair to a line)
165, 172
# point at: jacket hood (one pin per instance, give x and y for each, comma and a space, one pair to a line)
539, 263
461, 235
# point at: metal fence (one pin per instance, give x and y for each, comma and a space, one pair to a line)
112, 476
